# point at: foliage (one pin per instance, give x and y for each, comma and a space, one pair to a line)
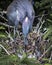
43, 9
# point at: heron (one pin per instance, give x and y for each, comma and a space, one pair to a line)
21, 11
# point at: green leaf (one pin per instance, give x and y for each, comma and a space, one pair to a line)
2, 28
3, 35
49, 20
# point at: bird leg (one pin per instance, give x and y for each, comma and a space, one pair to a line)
25, 43
14, 34
18, 33
15, 31
25, 48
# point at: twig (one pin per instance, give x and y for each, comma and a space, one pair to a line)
3, 17
44, 53
6, 25
45, 32
38, 25
10, 36
41, 15
41, 25
4, 49
40, 20
3, 12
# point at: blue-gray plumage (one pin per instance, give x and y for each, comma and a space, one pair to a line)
21, 11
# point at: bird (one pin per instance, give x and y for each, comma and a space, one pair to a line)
21, 11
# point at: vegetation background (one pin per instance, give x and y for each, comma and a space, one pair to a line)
39, 50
